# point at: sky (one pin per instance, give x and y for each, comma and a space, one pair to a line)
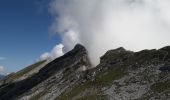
32, 30
24, 33
101, 25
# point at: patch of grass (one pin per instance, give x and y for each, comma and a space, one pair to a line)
27, 69
156, 88
162, 75
75, 91
94, 97
113, 56
106, 78
142, 57
101, 80
161, 86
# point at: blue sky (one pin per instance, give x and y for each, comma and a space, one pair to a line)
24, 32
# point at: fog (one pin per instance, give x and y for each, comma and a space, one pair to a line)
101, 25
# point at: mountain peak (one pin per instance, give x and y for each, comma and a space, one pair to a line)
67, 67
79, 46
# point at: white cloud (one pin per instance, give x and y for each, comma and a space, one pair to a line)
56, 52
44, 56
101, 25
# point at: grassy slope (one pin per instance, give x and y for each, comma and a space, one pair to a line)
28, 69
103, 79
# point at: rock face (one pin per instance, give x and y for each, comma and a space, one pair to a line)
121, 75
55, 77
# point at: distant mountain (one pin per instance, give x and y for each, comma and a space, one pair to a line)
121, 75
24, 73
2, 76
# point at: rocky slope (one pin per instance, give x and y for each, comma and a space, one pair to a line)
24, 73
51, 80
121, 75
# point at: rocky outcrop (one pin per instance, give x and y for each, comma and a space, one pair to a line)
121, 75
65, 68
126, 75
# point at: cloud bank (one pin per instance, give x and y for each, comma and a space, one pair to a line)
57, 51
101, 25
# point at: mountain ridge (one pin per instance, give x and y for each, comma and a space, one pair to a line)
121, 74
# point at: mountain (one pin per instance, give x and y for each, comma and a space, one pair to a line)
121, 75
1, 76
24, 73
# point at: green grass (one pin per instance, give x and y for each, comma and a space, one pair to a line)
94, 97
156, 88
75, 91
161, 86
111, 56
162, 75
27, 69
106, 78
103, 79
